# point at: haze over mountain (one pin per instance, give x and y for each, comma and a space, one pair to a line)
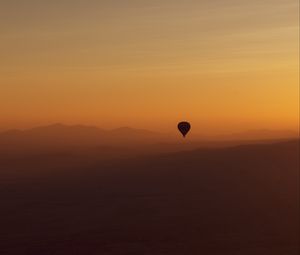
91, 135
121, 142
64, 136
259, 134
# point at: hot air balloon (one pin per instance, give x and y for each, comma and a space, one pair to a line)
184, 127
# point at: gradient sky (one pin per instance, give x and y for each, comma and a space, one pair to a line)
225, 65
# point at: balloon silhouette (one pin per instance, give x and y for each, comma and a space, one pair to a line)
184, 127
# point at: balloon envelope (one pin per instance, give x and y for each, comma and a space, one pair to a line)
184, 127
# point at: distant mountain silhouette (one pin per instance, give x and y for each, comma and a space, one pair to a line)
62, 137
59, 135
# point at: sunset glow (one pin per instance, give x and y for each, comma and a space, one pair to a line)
224, 65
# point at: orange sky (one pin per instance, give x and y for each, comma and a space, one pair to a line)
225, 65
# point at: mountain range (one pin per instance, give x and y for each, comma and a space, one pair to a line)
124, 140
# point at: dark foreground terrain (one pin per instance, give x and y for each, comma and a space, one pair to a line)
242, 200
